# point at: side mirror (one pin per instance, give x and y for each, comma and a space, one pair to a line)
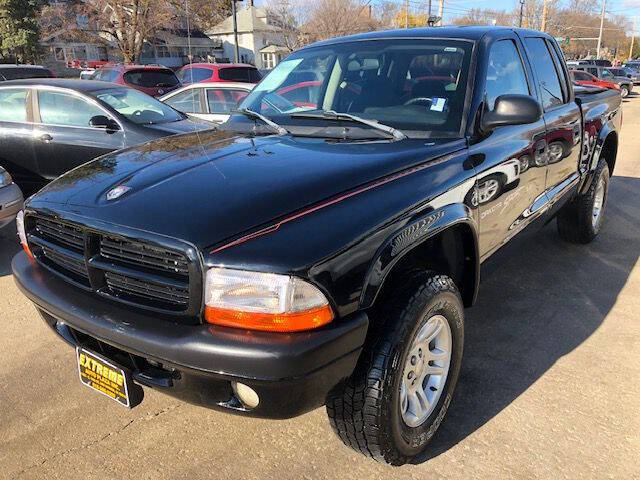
104, 122
511, 110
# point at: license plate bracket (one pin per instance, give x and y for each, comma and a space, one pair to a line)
108, 378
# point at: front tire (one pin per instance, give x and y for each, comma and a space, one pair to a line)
399, 393
624, 91
580, 221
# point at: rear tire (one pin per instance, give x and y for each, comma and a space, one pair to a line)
367, 411
580, 221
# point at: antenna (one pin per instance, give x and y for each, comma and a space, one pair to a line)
186, 10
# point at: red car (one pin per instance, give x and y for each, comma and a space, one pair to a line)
588, 80
154, 80
218, 72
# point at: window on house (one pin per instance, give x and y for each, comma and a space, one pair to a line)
58, 52
268, 61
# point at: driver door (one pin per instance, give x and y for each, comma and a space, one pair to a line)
63, 138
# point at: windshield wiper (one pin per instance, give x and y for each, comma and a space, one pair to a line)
332, 115
251, 114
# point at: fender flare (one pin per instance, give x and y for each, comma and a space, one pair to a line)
410, 236
589, 165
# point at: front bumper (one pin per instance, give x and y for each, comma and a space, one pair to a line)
10, 203
292, 373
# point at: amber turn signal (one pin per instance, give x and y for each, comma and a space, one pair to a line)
270, 322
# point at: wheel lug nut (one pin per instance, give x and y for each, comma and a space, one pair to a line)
410, 376
413, 360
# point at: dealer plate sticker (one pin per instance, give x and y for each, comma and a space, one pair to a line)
103, 376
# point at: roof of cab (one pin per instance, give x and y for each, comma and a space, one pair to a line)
470, 32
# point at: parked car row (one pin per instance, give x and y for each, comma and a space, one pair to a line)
605, 77
10, 198
49, 126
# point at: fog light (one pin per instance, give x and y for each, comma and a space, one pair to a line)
245, 394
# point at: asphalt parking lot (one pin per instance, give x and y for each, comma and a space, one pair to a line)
550, 387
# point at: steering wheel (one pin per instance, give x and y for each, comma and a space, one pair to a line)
418, 100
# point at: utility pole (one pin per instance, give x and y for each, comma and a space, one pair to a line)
633, 37
545, 12
441, 11
235, 29
521, 12
604, 3
429, 9
406, 13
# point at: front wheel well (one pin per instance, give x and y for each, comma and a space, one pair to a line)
451, 252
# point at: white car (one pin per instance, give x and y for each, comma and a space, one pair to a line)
209, 101
86, 74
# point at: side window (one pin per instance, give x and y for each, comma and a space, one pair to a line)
187, 101
223, 100
593, 71
561, 76
550, 87
13, 105
57, 108
505, 73
194, 75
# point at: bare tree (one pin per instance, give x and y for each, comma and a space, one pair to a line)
128, 23
485, 16
331, 18
288, 15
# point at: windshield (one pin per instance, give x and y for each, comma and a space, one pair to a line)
138, 107
607, 74
416, 86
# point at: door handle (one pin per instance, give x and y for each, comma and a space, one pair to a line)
46, 138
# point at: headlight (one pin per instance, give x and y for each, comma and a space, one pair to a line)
263, 301
5, 178
21, 232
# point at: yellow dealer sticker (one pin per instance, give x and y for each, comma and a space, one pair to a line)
107, 378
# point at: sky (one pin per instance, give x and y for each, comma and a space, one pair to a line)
457, 8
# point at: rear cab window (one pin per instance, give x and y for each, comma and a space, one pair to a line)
548, 76
151, 78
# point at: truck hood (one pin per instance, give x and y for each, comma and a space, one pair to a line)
211, 186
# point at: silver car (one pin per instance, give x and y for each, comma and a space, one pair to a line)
213, 101
10, 198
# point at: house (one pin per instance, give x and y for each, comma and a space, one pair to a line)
171, 48
175, 48
260, 42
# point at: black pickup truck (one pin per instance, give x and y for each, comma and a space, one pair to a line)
322, 251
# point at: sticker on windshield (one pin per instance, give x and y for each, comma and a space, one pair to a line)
438, 103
